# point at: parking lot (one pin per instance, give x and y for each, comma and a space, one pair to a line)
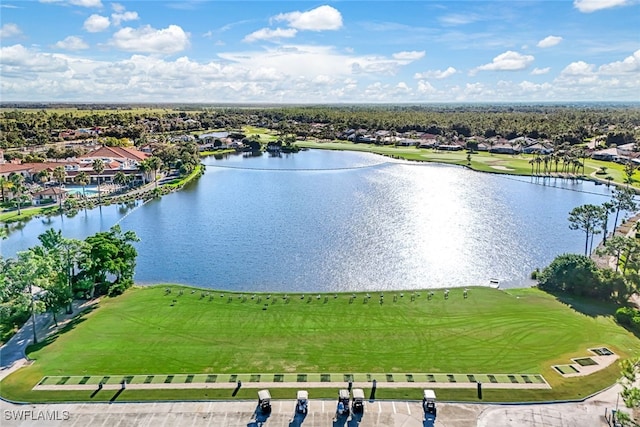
321, 413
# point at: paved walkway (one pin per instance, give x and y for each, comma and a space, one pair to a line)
12, 353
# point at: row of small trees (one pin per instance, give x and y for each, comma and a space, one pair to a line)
48, 276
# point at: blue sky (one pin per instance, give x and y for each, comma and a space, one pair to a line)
320, 52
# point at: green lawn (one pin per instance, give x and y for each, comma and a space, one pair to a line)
26, 213
492, 331
480, 161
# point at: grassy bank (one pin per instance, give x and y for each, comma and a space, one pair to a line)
480, 161
146, 331
27, 213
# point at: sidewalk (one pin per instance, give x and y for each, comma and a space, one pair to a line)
12, 353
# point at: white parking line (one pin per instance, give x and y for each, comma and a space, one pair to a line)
408, 408
393, 404
379, 407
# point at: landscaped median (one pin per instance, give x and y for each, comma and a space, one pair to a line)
171, 342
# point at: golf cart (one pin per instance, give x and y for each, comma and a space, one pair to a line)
358, 401
429, 402
302, 407
264, 401
343, 402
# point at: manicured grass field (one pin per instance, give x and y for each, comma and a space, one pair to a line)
151, 332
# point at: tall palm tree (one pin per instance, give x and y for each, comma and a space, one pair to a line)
155, 163
59, 174
82, 179
4, 182
17, 182
98, 167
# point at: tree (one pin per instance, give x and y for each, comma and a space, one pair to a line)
110, 253
586, 218
82, 179
629, 171
614, 247
120, 178
607, 208
623, 201
155, 163
44, 175
574, 274
59, 174
4, 183
98, 167
17, 182
630, 369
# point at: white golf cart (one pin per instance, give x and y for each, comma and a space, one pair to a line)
358, 401
264, 401
343, 402
302, 406
429, 402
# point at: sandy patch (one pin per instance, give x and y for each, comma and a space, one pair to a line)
502, 168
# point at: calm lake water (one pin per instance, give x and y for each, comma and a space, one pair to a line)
337, 221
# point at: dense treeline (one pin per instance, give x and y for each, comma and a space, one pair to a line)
571, 124
49, 276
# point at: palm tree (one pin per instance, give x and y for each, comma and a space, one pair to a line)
3, 184
59, 174
98, 167
17, 181
82, 179
144, 167
44, 175
120, 178
155, 163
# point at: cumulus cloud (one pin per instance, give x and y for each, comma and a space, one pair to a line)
9, 30
578, 68
147, 39
72, 43
96, 23
508, 61
549, 41
18, 59
436, 74
588, 6
539, 71
269, 34
425, 87
629, 65
409, 55
318, 19
123, 16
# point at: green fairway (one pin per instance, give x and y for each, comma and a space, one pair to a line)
147, 331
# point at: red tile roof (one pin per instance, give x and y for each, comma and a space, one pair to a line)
116, 152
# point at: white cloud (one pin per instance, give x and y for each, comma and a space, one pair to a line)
72, 43
425, 87
146, 39
588, 6
117, 18
18, 59
318, 19
82, 3
9, 30
117, 7
436, 74
86, 3
409, 55
578, 68
629, 65
549, 41
508, 61
269, 34
96, 23
540, 71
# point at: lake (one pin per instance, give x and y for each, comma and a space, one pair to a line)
320, 221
